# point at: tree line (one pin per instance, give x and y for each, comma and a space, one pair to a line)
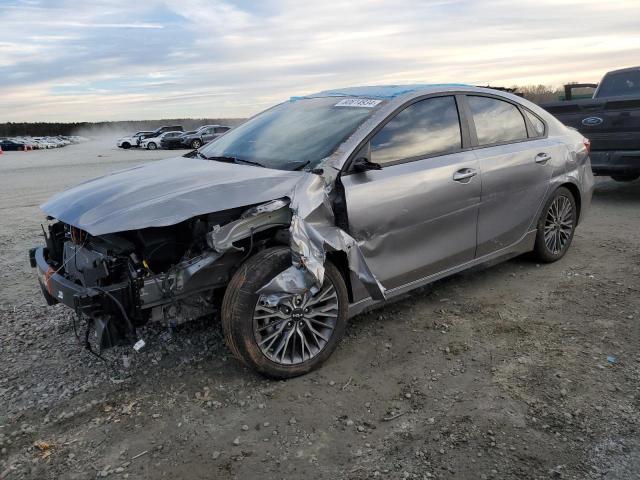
44, 129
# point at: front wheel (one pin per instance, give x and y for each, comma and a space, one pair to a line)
195, 144
289, 339
556, 227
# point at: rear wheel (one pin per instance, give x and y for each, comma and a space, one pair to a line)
151, 146
289, 339
625, 178
556, 227
196, 144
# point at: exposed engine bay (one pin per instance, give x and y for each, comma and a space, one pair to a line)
159, 274
160, 242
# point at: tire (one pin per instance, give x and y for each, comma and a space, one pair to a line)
151, 146
126, 145
559, 238
242, 330
625, 178
195, 144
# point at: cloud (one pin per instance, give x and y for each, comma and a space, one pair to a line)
72, 60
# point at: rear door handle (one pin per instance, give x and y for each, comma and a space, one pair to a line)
543, 158
464, 175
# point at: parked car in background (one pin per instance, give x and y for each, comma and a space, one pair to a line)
611, 121
151, 143
313, 211
160, 130
132, 141
9, 145
43, 144
26, 141
203, 135
175, 142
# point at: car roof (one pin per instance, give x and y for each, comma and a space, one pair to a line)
383, 92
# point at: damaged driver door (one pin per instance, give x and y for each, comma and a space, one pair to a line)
412, 205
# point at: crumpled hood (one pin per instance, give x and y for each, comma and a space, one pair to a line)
166, 192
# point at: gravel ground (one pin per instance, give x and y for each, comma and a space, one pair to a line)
516, 371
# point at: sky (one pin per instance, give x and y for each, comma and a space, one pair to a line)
79, 60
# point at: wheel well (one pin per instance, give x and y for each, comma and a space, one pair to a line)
339, 259
576, 196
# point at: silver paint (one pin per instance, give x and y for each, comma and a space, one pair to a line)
313, 232
166, 192
413, 219
409, 224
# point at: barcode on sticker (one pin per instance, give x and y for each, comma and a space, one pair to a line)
358, 102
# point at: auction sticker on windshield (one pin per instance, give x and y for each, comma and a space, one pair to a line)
358, 102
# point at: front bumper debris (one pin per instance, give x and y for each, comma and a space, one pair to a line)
96, 306
58, 289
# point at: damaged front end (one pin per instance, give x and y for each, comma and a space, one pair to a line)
142, 245
118, 282
313, 233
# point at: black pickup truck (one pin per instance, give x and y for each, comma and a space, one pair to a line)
611, 120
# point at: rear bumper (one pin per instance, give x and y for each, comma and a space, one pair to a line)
621, 162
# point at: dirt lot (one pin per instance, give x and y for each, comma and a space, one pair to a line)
515, 371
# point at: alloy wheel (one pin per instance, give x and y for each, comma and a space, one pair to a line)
299, 328
558, 225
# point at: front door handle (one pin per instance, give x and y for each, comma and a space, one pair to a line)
464, 175
543, 158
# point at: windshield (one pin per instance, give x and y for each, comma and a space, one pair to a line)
621, 84
294, 134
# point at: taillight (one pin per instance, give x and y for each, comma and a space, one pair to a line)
587, 144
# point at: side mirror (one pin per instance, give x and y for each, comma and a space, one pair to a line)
362, 164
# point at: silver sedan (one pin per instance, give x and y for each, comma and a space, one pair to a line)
314, 210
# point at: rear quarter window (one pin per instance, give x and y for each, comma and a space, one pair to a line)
536, 123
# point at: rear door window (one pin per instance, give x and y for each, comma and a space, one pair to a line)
496, 121
425, 128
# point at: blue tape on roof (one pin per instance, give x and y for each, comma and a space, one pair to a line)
379, 91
